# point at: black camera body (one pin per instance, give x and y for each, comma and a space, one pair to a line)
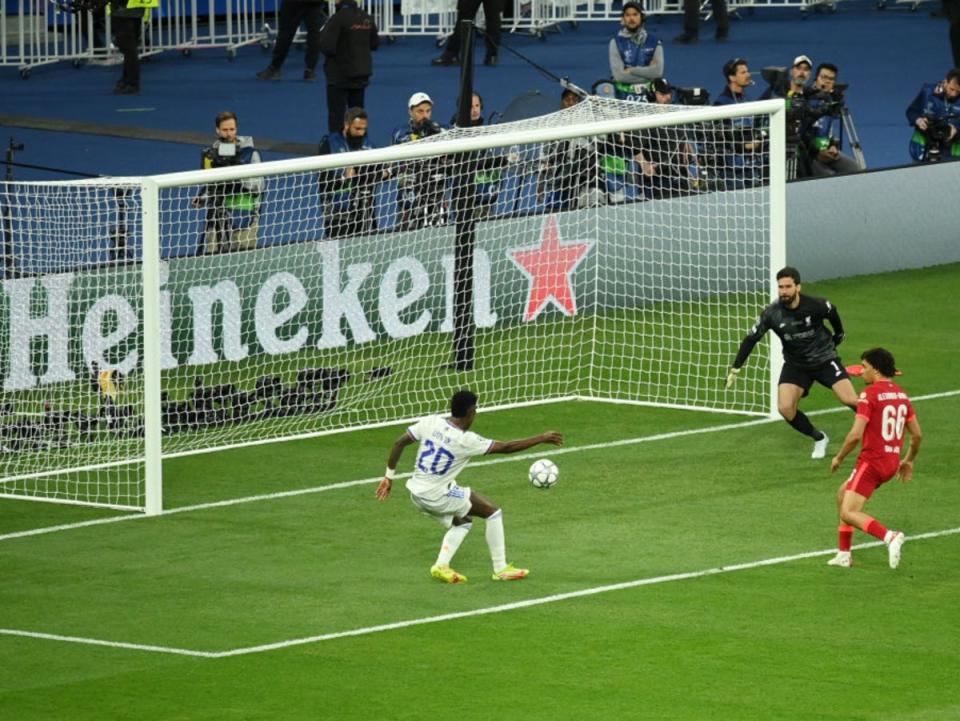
693, 96
222, 155
938, 130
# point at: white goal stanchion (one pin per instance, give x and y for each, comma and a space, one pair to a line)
612, 251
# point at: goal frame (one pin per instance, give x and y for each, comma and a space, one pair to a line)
151, 188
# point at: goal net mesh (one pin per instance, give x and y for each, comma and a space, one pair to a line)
622, 267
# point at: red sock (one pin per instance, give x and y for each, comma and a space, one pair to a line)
846, 537
877, 529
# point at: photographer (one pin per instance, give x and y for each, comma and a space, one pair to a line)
421, 184
348, 193
636, 55
665, 156
742, 157
935, 116
233, 207
826, 105
794, 90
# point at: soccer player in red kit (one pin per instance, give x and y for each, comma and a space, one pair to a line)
883, 413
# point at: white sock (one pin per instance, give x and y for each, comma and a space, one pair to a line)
451, 543
495, 541
889, 537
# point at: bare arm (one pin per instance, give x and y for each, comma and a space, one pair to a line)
523, 444
849, 443
383, 490
906, 465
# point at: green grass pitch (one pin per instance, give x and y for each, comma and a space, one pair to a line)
791, 640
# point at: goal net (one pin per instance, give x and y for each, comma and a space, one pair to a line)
612, 251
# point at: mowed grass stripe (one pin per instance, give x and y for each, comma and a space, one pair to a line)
441, 618
515, 458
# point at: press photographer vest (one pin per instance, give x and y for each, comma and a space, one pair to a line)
633, 55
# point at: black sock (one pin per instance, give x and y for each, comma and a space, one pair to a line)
803, 424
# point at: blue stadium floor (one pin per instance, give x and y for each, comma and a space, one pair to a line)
884, 55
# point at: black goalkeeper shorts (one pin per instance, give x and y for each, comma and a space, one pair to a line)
826, 375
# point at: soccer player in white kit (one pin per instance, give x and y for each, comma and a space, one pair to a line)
446, 445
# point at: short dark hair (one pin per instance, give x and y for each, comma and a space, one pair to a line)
827, 66
730, 67
226, 115
953, 74
354, 114
882, 360
789, 272
462, 402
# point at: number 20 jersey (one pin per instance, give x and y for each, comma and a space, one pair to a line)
886, 408
444, 451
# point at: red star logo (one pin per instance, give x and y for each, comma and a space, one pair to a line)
548, 267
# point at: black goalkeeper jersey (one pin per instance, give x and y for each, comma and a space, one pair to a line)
806, 341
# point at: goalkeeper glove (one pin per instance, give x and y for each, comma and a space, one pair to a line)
837, 339
732, 377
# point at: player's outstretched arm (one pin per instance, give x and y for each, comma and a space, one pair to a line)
849, 443
383, 489
523, 444
905, 472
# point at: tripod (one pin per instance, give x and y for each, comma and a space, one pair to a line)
853, 140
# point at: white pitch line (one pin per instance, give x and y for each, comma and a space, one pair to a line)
110, 644
501, 608
513, 458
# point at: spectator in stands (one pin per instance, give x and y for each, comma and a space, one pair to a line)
347, 41
636, 56
822, 144
421, 184
348, 193
292, 13
467, 10
935, 116
740, 154
691, 21
665, 156
127, 18
233, 207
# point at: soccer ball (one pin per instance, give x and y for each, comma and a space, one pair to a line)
544, 473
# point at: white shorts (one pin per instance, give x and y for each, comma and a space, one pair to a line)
455, 503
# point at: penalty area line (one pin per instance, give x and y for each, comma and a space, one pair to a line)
512, 458
501, 608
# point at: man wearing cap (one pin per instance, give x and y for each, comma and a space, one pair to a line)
636, 56
420, 183
742, 155
796, 92
691, 21
797, 86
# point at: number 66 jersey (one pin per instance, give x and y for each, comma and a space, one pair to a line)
886, 408
444, 451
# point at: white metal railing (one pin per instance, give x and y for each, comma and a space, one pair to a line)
40, 32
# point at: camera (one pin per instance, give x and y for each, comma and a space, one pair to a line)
222, 155
693, 96
938, 130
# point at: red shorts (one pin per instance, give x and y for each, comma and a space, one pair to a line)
867, 478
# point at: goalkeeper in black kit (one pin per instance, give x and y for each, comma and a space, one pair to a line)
809, 353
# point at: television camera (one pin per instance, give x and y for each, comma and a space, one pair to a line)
804, 109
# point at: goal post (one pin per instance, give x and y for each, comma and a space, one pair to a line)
620, 255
